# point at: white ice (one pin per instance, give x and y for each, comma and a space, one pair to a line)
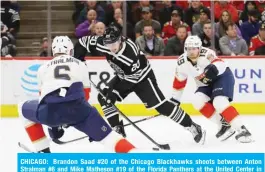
161, 129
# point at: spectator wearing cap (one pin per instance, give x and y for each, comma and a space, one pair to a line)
149, 43
224, 20
170, 27
86, 28
207, 36
137, 13
165, 13
175, 45
88, 6
231, 44
205, 15
192, 14
224, 5
249, 5
147, 20
257, 43
251, 27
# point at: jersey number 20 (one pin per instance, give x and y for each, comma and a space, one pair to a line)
58, 72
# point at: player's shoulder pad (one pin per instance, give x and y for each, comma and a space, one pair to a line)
133, 46
207, 52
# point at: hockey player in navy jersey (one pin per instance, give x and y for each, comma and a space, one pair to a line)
64, 93
215, 88
133, 74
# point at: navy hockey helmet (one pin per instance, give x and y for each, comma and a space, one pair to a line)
112, 34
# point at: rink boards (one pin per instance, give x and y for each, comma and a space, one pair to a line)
19, 82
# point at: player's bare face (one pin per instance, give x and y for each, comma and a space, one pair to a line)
193, 53
114, 47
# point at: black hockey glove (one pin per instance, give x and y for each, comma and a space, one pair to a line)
210, 74
56, 132
110, 96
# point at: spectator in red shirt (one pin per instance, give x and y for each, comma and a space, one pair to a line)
238, 4
224, 5
169, 29
257, 43
165, 12
185, 4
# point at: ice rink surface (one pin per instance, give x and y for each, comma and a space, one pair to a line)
160, 128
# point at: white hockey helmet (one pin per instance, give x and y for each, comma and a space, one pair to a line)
62, 45
193, 42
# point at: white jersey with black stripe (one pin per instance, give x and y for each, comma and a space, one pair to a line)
129, 62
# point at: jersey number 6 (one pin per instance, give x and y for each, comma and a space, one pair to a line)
59, 75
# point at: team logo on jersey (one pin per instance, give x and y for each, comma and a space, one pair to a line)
29, 81
117, 69
104, 128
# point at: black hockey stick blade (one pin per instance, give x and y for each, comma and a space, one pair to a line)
59, 142
161, 146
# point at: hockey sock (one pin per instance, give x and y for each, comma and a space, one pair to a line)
231, 115
209, 112
37, 136
117, 143
123, 146
179, 116
112, 115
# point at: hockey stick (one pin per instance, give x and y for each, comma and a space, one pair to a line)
141, 120
161, 146
59, 142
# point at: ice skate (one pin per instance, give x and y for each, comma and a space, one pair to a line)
197, 132
244, 136
225, 131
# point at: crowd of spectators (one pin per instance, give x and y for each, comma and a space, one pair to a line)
10, 24
161, 27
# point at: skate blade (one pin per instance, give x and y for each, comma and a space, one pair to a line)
247, 139
224, 138
202, 141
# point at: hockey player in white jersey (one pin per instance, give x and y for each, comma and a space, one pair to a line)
64, 94
215, 88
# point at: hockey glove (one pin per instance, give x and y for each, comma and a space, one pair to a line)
210, 74
56, 132
109, 95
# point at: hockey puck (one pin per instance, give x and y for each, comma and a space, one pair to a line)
156, 149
